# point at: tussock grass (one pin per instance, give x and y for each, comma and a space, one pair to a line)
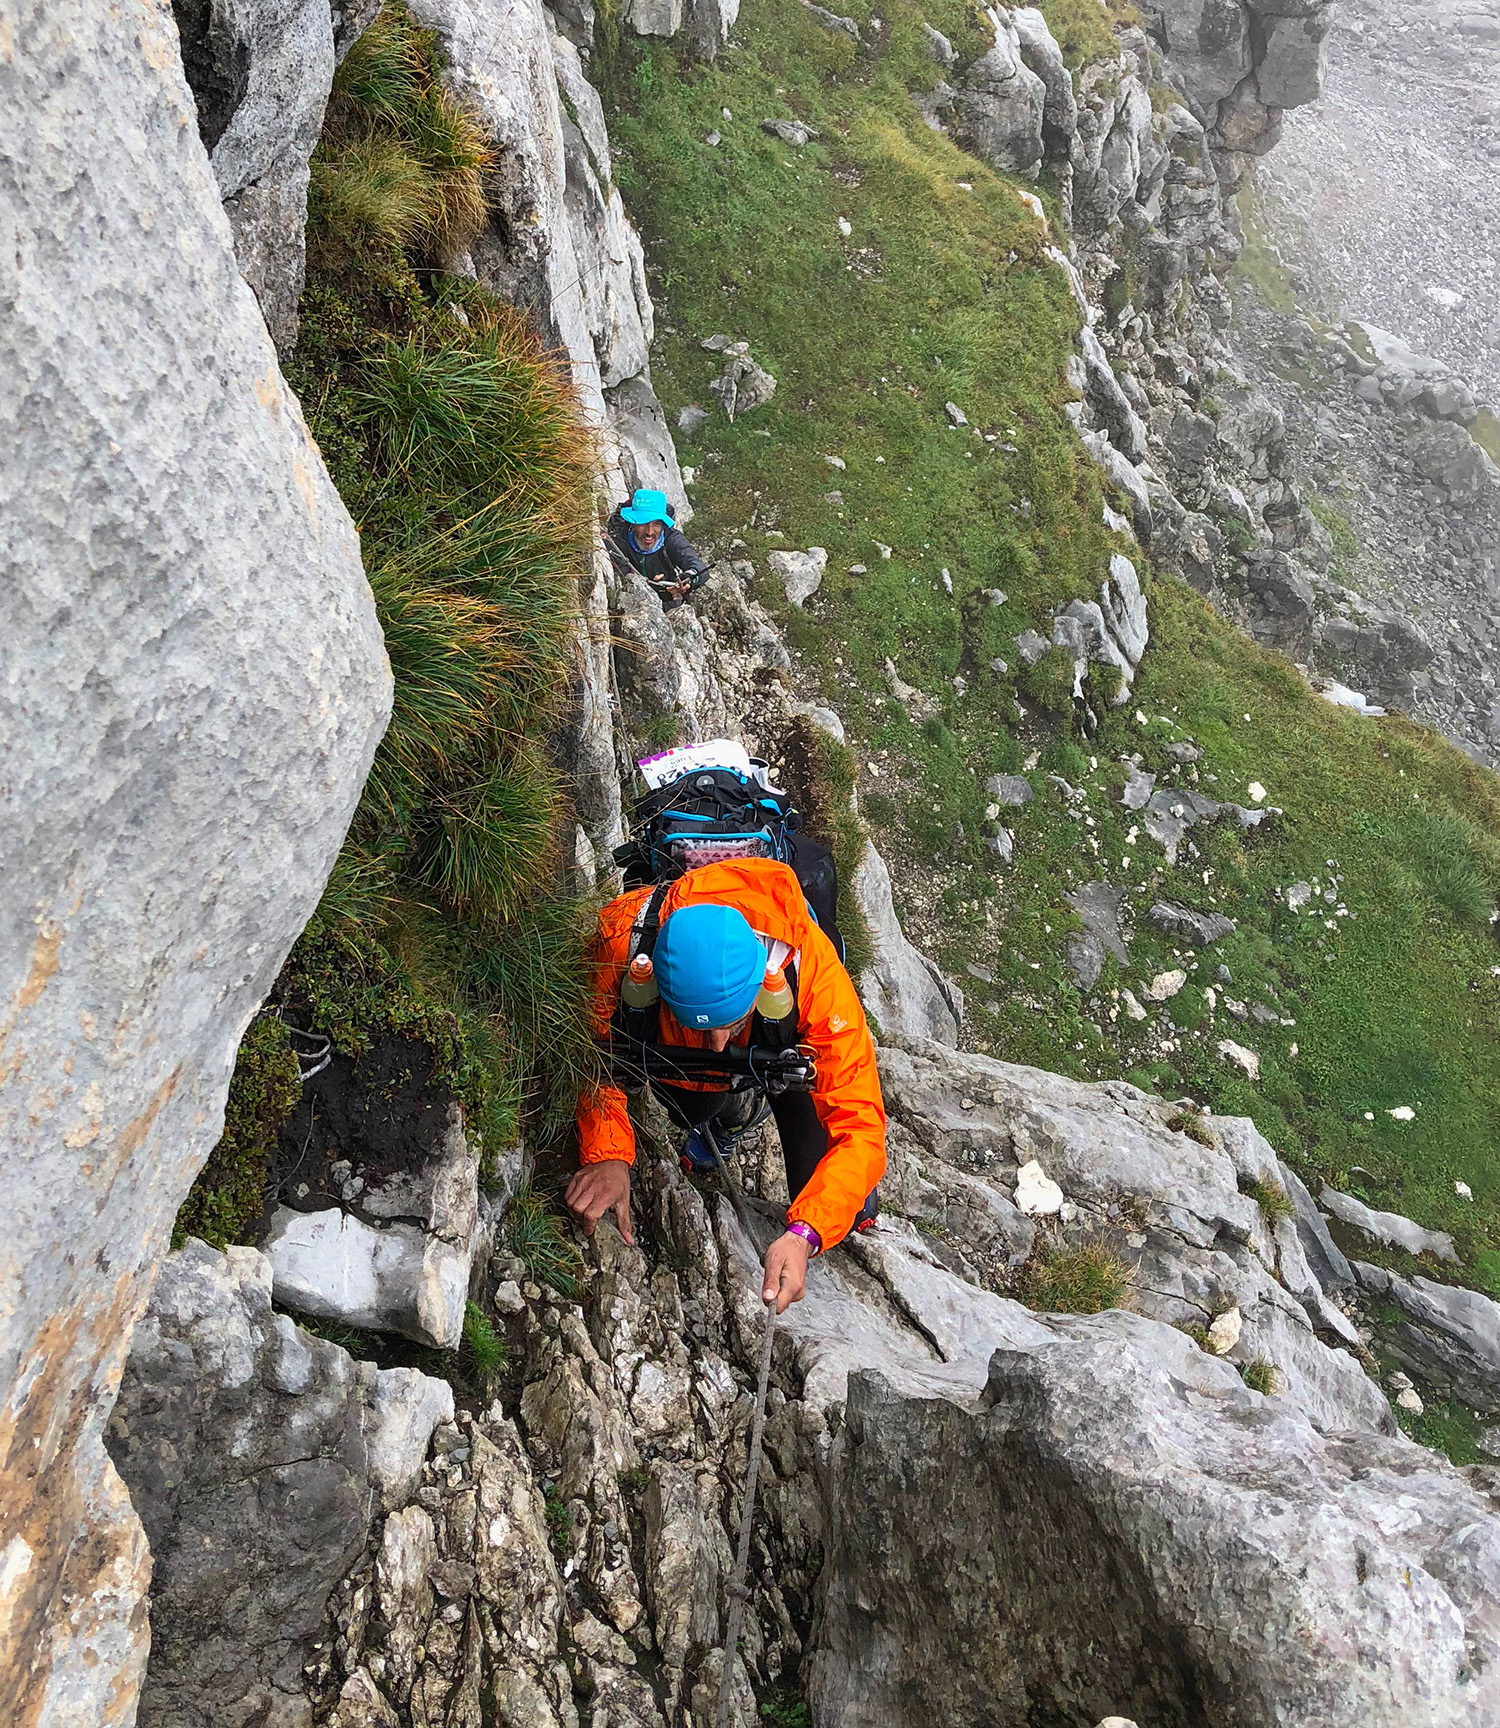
372, 191
538, 1237
401, 163
1259, 1375
1273, 1200
494, 838
458, 444
485, 1352
1083, 1279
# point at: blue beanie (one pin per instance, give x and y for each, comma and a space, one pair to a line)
709, 966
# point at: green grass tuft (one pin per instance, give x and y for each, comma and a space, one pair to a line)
486, 1354
538, 1237
559, 1523
1082, 27
1048, 683
1085, 1279
1341, 533
1189, 1122
1259, 1375
1273, 1200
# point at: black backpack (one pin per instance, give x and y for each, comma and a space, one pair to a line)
720, 813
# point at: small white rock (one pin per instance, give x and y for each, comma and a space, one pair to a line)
1411, 1400
1036, 1193
1463, 1190
1132, 1007
1164, 986
844, 227
1239, 1057
1224, 1331
1255, 792
1402, 1113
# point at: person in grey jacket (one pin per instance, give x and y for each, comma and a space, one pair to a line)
642, 536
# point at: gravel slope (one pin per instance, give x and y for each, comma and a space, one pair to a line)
1387, 190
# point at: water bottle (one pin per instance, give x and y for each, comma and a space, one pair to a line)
775, 999
638, 988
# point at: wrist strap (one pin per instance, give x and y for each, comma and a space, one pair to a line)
808, 1235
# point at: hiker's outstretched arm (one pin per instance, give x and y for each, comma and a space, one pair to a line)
604, 1131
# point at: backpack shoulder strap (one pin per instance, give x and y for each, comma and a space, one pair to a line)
648, 922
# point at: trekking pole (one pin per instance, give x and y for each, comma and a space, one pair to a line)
736, 1592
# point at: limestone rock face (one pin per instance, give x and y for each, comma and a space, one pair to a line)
255, 1455
904, 990
1202, 1246
401, 1261
261, 71
192, 684
1001, 102
559, 243
1049, 1552
1447, 1334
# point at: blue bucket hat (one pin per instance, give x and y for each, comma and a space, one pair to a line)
709, 966
647, 506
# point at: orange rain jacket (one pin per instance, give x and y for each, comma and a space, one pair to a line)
847, 1095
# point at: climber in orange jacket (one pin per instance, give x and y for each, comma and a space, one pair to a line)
726, 930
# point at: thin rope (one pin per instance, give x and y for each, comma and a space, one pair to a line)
736, 1591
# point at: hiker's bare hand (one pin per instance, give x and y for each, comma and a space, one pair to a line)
786, 1271
600, 1188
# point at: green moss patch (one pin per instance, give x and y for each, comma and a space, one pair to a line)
227, 1200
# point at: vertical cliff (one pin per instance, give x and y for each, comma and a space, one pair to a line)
192, 685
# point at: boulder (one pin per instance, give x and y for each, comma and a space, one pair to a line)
1390, 1229
904, 992
1200, 929
708, 25
1098, 905
1010, 791
835, 21
1000, 102
654, 17
1289, 72
1046, 1552
938, 45
192, 685
1446, 454
400, 1260
254, 1454
1448, 1335
791, 132
744, 385
801, 573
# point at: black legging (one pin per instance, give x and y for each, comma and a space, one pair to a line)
804, 1139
